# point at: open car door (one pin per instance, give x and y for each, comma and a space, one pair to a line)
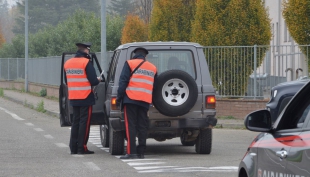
66, 111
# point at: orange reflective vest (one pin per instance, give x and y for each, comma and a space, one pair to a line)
140, 86
78, 85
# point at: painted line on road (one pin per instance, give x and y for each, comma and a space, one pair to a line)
29, 124
154, 167
189, 169
38, 129
49, 136
61, 145
144, 163
12, 114
92, 166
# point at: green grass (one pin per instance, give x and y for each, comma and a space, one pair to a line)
1, 92
40, 107
226, 117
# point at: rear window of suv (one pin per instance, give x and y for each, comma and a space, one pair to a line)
172, 59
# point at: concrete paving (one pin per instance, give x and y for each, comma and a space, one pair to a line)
52, 107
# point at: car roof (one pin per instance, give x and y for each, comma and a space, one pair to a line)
158, 43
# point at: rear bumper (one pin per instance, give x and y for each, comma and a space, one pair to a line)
189, 123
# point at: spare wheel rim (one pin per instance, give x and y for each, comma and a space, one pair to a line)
175, 92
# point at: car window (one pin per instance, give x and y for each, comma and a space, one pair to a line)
113, 64
297, 112
172, 59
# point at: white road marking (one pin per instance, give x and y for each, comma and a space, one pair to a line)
29, 124
96, 143
12, 114
144, 163
49, 136
153, 165
38, 129
78, 155
61, 145
193, 169
92, 166
137, 160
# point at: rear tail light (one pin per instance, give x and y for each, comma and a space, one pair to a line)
113, 103
210, 102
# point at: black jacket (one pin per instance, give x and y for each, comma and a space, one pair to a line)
123, 83
92, 78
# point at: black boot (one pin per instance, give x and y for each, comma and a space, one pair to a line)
130, 156
86, 152
141, 156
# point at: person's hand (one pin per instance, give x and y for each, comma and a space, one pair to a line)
118, 102
99, 79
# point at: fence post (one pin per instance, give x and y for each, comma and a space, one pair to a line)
255, 64
17, 69
8, 69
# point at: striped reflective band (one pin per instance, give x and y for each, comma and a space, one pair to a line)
79, 88
77, 80
139, 89
142, 80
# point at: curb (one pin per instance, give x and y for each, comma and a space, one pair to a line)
230, 126
31, 106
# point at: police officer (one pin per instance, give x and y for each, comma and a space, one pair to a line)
80, 76
135, 92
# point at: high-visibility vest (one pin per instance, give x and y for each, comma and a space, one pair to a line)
78, 85
140, 86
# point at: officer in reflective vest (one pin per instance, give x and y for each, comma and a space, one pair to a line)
135, 91
80, 76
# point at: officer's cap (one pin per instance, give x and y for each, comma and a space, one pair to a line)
85, 45
141, 49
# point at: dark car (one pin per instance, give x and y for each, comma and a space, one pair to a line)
281, 94
282, 148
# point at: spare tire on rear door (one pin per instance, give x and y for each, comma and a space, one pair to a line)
175, 93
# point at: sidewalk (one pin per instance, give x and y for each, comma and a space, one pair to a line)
52, 107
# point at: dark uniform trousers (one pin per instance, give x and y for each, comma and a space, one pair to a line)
136, 122
80, 128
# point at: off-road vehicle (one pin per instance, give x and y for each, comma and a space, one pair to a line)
183, 99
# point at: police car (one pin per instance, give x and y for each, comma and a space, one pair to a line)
282, 149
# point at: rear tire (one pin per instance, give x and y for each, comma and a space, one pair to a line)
116, 143
104, 135
204, 141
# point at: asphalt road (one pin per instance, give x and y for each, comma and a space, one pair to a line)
33, 144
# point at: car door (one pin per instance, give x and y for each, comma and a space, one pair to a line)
66, 111
288, 152
298, 158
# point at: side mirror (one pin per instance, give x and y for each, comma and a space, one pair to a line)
258, 121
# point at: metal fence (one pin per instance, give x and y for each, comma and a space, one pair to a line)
44, 70
236, 71
251, 71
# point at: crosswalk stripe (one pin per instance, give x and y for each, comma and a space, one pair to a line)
152, 165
